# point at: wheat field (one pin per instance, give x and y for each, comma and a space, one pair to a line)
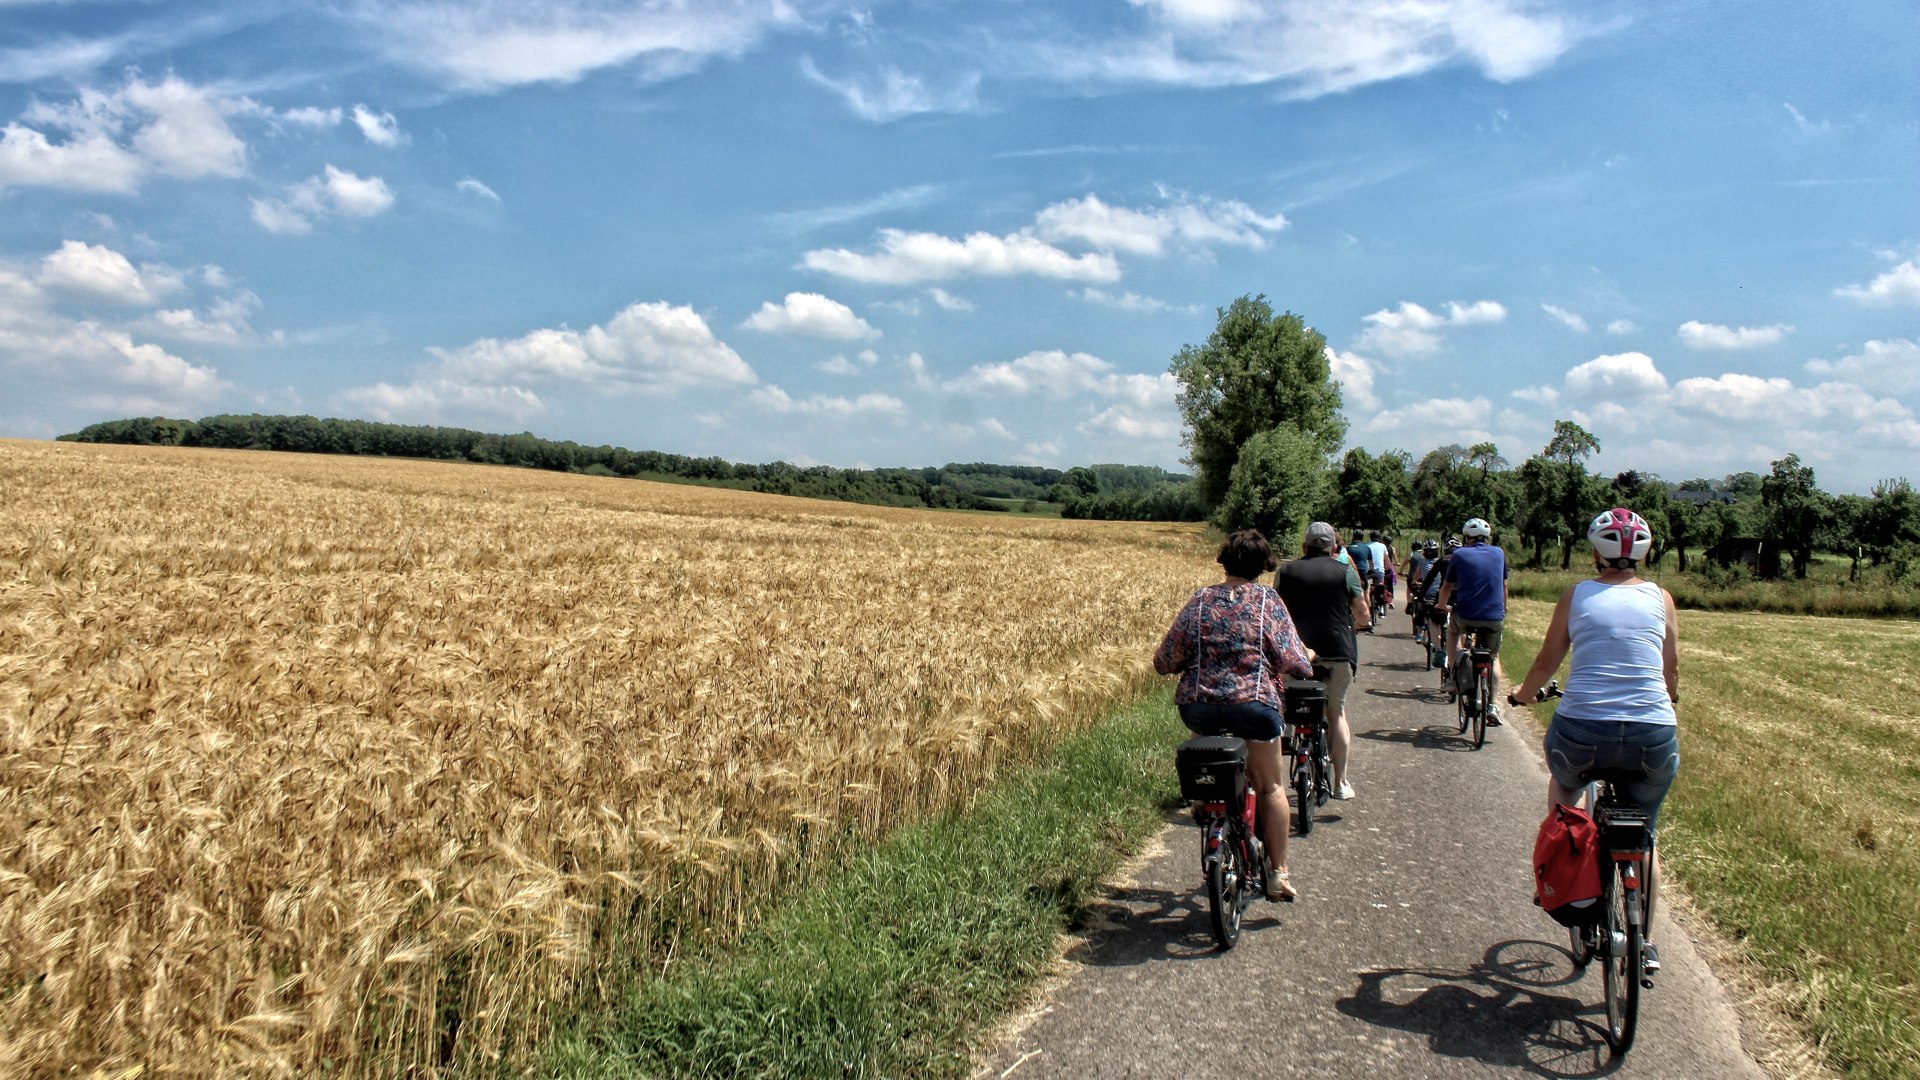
358, 767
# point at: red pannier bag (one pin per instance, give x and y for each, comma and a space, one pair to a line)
1566, 867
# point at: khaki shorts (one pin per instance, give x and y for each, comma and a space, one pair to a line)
1339, 681
1489, 632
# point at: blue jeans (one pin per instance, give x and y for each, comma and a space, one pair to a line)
1575, 747
1247, 720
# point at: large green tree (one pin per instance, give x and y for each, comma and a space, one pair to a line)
1280, 475
1256, 373
1796, 509
1372, 492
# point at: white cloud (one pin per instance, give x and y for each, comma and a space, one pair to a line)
117, 138
1571, 320
916, 366
437, 400
1127, 301
1051, 371
380, 129
1898, 286
1808, 126
1312, 48
1892, 366
1621, 377
1710, 424
649, 346
774, 399
336, 191
96, 272
475, 187
1146, 232
310, 116
1435, 422
811, 315
1411, 329
1699, 335
839, 364
1355, 374
909, 258
655, 348
103, 364
491, 46
226, 321
947, 300
1621, 326
83, 163
891, 93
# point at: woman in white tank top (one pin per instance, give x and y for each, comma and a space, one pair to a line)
1617, 709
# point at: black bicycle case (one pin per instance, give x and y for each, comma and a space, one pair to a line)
1212, 768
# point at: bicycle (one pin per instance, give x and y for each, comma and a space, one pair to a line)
1310, 773
1619, 926
1213, 777
1473, 686
1417, 613
1378, 602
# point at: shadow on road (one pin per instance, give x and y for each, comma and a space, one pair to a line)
1144, 923
1411, 665
1498, 1011
1447, 737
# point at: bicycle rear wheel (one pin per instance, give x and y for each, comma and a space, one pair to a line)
1303, 792
1621, 974
1482, 701
1225, 882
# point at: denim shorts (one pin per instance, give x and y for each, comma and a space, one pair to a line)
1574, 747
1247, 719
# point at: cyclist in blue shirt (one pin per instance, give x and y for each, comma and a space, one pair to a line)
1360, 554
1475, 592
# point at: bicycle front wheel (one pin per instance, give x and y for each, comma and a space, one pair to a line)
1224, 884
1621, 976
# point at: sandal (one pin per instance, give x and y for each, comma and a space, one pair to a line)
1279, 889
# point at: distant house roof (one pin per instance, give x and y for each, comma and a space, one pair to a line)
1699, 497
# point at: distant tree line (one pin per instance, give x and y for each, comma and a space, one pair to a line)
1100, 491
1263, 426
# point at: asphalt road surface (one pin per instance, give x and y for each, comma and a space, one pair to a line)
1414, 950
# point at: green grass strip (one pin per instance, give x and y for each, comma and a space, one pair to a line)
898, 963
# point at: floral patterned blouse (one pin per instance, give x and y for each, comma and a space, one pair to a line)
1232, 644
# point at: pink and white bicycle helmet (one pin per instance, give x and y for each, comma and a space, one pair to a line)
1620, 537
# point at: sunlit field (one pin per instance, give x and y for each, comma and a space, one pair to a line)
1795, 821
356, 766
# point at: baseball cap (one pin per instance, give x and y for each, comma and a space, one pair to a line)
1320, 536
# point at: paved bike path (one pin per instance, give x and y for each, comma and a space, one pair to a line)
1414, 951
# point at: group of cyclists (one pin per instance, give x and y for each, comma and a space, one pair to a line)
1232, 645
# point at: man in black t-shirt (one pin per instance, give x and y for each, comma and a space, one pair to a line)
1326, 600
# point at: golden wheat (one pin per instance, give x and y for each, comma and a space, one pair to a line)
347, 764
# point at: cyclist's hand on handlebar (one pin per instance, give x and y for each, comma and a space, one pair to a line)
1552, 689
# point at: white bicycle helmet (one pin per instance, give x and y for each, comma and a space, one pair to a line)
1620, 537
1476, 529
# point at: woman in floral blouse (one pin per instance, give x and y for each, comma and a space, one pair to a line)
1231, 645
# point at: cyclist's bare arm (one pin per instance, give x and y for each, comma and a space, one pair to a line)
1670, 652
1553, 650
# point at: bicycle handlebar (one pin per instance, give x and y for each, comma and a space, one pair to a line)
1552, 689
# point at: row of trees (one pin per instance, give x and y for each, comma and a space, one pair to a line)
1111, 491
1263, 422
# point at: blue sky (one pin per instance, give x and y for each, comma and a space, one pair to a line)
904, 233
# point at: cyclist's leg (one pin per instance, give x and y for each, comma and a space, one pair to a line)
1339, 732
1266, 768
